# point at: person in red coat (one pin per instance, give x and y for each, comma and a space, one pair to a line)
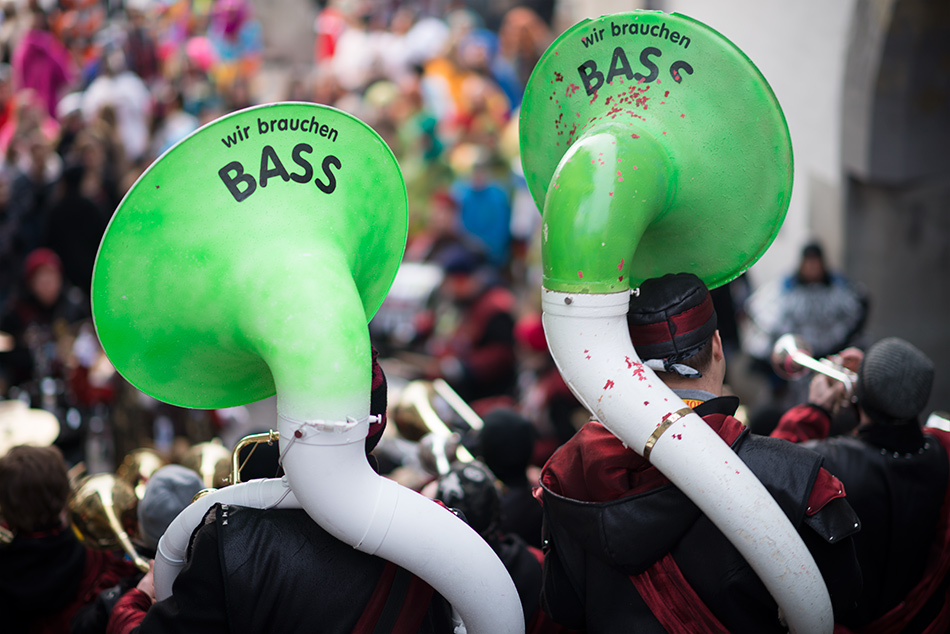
46, 575
627, 551
896, 475
471, 341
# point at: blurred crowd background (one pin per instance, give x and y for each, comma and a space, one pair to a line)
92, 92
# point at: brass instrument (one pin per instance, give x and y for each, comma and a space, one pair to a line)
417, 420
138, 466
102, 511
211, 460
792, 359
939, 420
236, 464
270, 437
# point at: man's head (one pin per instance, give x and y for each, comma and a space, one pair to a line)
44, 275
470, 488
673, 326
34, 487
462, 280
894, 381
507, 444
811, 268
168, 492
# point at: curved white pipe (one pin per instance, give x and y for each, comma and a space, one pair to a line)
173, 545
359, 507
590, 342
422, 537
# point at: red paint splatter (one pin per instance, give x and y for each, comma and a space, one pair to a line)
593, 99
620, 279
666, 94
157, 186
629, 364
610, 194
620, 180
638, 372
634, 167
571, 89
635, 136
618, 172
664, 132
678, 436
646, 402
580, 274
609, 384
682, 116
620, 266
618, 160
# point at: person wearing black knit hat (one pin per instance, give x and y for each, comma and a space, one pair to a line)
470, 488
897, 476
655, 562
506, 444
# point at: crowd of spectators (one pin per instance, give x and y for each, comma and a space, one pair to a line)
91, 93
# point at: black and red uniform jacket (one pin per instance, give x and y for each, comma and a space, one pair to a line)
898, 480
47, 576
252, 570
626, 551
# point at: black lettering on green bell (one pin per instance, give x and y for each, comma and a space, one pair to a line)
593, 79
268, 156
619, 65
330, 185
649, 64
298, 150
232, 182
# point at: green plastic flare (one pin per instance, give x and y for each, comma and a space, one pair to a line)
652, 145
253, 253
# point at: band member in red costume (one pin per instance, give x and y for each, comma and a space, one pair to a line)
626, 551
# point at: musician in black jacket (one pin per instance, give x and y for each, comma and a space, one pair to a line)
252, 570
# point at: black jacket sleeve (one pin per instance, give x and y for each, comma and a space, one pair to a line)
198, 601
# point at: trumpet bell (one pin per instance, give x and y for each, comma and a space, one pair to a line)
138, 466
786, 349
103, 513
212, 461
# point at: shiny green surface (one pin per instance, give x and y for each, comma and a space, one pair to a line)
204, 300
661, 168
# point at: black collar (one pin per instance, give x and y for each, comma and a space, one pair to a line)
719, 405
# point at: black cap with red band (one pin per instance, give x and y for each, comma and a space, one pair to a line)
671, 318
